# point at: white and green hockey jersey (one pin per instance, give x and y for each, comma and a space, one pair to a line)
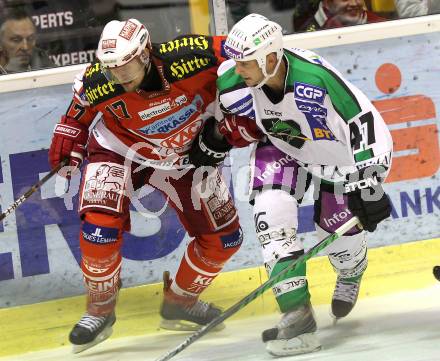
327, 124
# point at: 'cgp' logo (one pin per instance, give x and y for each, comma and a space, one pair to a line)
309, 92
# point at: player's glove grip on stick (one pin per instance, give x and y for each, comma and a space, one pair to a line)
68, 141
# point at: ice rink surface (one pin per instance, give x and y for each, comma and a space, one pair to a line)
399, 327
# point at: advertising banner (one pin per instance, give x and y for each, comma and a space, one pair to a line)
39, 250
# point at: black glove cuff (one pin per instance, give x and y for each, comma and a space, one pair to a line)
369, 177
211, 140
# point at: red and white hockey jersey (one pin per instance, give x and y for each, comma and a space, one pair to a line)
161, 125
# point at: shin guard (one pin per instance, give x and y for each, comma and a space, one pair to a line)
100, 241
204, 258
276, 223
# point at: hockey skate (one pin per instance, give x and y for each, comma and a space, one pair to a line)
294, 334
91, 330
436, 272
344, 297
183, 314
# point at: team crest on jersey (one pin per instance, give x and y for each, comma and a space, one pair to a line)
287, 130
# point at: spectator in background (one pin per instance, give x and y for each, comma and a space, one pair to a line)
302, 11
339, 13
2, 64
103, 11
63, 27
18, 51
238, 9
411, 8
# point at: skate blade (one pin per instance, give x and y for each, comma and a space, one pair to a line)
334, 318
181, 325
106, 333
305, 343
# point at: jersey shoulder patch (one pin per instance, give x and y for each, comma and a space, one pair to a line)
96, 87
186, 56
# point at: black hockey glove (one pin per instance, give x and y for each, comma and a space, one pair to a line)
366, 197
210, 148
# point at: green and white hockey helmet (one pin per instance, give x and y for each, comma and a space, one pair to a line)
253, 38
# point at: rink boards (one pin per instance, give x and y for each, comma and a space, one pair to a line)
39, 250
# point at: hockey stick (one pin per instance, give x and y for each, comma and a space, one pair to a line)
32, 190
260, 290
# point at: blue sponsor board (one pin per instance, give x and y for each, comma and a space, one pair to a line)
36, 213
33, 215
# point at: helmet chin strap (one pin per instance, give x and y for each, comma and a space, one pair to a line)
268, 76
148, 66
146, 59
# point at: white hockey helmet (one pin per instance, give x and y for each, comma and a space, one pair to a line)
253, 38
122, 42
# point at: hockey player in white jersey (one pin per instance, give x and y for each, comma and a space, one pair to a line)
317, 126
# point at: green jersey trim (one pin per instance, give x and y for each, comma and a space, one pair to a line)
344, 101
229, 80
364, 155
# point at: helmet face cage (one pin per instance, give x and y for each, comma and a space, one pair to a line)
253, 38
121, 42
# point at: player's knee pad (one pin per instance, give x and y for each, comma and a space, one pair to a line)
100, 233
100, 240
276, 223
347, 254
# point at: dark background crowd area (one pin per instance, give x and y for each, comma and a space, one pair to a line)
66, 32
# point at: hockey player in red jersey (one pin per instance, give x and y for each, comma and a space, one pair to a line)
158, 106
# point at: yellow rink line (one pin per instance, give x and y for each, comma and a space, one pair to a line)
46, 325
